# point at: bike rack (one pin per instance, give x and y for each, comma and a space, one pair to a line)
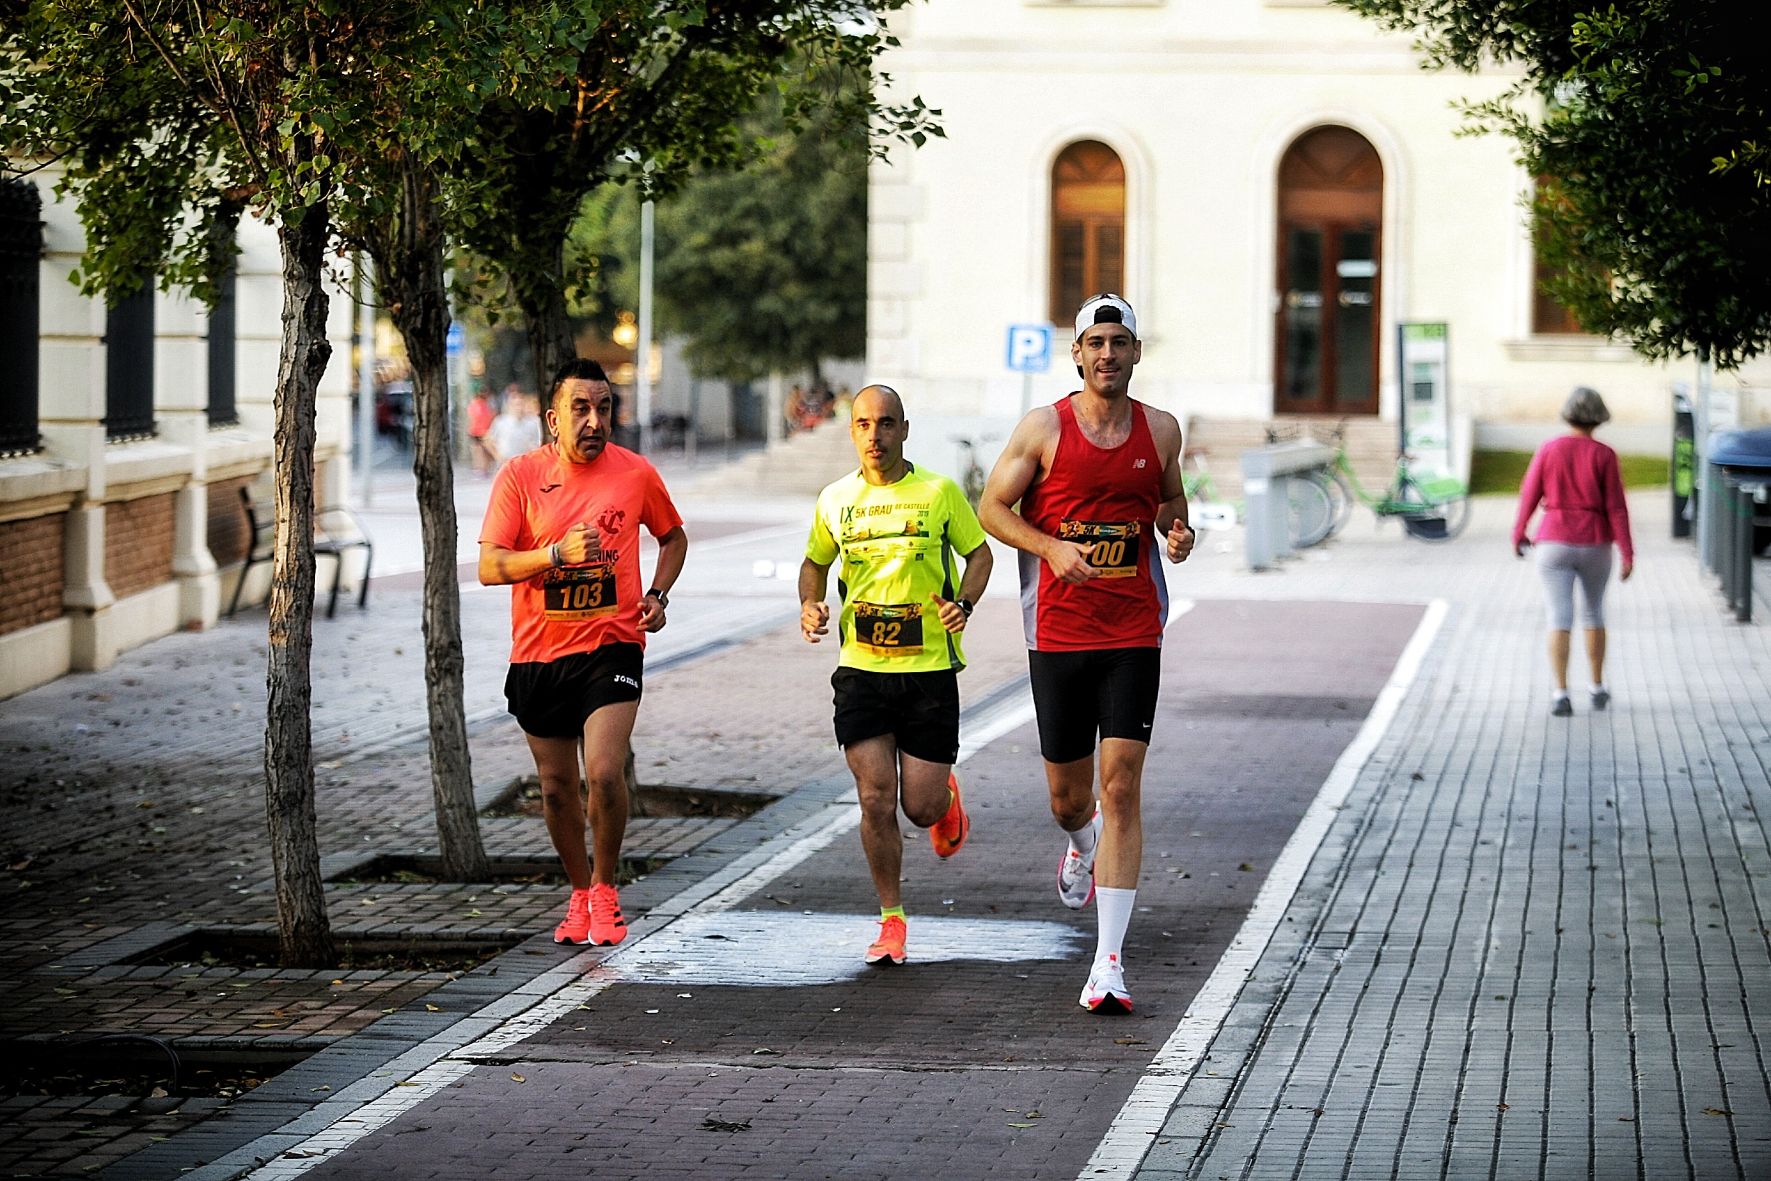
1265, 472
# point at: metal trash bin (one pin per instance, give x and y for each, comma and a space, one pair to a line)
1738, 478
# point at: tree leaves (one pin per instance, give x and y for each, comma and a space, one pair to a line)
1650, 119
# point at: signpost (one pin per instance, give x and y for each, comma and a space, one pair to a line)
1029, 352
1425, 411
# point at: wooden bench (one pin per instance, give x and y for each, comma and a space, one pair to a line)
261, 530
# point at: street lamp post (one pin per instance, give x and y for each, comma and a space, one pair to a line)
642, 379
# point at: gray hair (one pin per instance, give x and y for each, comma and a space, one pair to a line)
1585, 407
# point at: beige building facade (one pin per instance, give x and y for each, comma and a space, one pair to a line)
1275, 185
120, 471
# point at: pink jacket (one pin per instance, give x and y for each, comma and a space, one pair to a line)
1577, 481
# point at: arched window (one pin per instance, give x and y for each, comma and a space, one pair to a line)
1331, 199
1088, 226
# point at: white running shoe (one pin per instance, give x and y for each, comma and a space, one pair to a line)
1076, 873
1105, 991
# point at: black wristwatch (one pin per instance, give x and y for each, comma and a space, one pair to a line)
965, 605
655, 593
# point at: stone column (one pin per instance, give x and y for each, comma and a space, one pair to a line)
181, 410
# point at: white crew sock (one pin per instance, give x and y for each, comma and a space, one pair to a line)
1558, 695
1113, 907
1597, 688
1083, 839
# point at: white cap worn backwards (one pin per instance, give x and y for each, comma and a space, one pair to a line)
1106, 309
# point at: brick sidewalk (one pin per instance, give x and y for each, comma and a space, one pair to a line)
1530, 946
1638, 984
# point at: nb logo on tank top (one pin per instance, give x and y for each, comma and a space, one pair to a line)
1137, 463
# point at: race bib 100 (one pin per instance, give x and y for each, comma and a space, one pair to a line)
1116, 544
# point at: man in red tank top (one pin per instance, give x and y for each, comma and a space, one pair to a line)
1098, 480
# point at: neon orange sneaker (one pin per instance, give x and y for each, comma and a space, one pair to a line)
607, 927
949, 833
889, 947
576, 928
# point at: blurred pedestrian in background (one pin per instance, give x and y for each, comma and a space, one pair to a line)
480, 413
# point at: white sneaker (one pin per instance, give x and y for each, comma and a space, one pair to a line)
1076, 873
1105, 991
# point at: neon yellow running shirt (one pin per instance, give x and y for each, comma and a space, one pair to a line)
892, 546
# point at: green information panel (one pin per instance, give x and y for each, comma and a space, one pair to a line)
1425, 413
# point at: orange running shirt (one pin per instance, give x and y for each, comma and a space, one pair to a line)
536, 499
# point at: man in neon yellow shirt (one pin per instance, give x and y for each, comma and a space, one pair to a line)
895, 527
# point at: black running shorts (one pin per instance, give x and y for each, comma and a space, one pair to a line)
1109, 692
919, 710
554, 698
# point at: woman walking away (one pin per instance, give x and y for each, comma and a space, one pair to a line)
1576, 479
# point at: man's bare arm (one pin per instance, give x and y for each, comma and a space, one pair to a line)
1171, 514
1016, 469
814, 612
501, 567
673, 547
971, 587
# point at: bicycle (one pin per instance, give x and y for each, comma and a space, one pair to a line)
973, 475
1310, 510
1432, 508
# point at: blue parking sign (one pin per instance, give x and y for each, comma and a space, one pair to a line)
1030, 347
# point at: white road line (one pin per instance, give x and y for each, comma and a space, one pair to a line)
570, 985
1129, 1138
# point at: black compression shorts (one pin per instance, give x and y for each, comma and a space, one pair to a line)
1109, 692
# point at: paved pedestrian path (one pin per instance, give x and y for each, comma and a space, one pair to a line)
1500, 944
1529, 946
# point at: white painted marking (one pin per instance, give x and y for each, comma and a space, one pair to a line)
579, 979
1128, 1140
720, 949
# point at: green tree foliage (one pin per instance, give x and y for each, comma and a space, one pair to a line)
168, 116
762, 269
1650, 124
156, 108
657, 92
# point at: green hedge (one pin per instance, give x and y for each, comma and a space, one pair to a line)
1504, 471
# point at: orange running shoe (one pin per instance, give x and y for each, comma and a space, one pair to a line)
889, 947
576, 928
607, 927
949, 833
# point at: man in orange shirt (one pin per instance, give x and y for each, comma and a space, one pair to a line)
562, 530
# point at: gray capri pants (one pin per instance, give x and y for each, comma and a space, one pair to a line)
1560, 565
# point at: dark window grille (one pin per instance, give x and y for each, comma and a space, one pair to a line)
222, 411
21, 250
129, 366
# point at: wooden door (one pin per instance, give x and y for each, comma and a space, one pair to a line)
1327, 322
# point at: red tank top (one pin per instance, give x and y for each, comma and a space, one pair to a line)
1109, 497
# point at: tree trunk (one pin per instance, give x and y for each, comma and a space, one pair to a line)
303, 933
411, 267
549, 330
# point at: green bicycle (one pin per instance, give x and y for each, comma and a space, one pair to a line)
1432, 508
